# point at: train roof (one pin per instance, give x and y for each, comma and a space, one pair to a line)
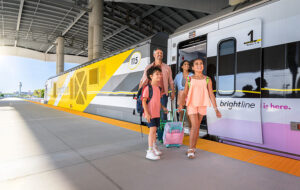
227, 12
155, 39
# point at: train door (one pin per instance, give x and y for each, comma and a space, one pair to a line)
189, 50
234, 64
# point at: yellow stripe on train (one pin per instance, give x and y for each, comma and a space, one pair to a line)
91, 78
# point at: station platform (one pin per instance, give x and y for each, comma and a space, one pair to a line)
44, 147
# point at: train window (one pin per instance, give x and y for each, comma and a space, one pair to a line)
54, 90
226, 66
93, 76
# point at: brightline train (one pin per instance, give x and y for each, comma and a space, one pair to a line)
252, 54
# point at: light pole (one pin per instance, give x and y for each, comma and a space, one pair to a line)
20, 87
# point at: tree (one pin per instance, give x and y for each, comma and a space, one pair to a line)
42, 93
39, 93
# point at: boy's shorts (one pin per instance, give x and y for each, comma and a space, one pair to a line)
154, 122
195, 110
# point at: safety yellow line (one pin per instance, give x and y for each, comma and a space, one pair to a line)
282, 90
119, 92
246, 91
253, 92
283, 164
256, 92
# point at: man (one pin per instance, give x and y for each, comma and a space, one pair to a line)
167, 80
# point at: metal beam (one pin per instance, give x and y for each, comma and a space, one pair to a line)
174, 12
19, 21
84, 10
36, 8
20, 14
151, 21
80, 52
69, 4
205, 6
132, 22
123, 22
69, 27
49, 48
74, 22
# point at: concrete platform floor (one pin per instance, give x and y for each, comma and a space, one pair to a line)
43, 148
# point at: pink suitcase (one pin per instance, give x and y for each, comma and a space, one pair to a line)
174, 132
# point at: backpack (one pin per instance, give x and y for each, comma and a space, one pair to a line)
189, 78
139, 100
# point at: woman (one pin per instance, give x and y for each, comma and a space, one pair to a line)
179, 83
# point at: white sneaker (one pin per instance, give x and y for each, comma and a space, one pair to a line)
186, 130
156, 151
151, 155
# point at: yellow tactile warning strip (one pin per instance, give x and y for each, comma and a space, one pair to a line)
279, 163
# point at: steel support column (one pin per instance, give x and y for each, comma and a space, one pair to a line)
98, 28
90, 34
59, 55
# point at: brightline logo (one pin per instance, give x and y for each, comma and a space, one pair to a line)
236, 104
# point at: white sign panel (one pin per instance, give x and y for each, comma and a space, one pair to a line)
247, 35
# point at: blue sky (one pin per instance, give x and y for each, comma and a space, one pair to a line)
32, 73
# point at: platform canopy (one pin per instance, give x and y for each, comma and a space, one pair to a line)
36, 24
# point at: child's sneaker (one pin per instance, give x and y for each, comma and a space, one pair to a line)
156, 151
186, 130
151, 155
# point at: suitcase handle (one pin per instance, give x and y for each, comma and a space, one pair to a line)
174, 113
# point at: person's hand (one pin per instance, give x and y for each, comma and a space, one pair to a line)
165, 110
148, 117
173, 96
218, 113
180, 108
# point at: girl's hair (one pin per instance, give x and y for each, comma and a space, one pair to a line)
203, 61
152, 70
181, 64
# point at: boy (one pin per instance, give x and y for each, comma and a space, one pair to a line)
152, 110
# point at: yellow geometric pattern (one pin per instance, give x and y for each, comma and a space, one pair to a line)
80, 87
79, 92
54, 90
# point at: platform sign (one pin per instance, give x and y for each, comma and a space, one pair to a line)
134, 60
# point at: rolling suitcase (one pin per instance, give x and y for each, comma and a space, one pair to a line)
174, 132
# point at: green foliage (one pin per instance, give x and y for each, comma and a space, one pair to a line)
39, 93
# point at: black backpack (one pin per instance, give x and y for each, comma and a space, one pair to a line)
139, 100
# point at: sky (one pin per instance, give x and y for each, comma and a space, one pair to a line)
31, 72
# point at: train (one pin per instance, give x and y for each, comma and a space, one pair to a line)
251, 53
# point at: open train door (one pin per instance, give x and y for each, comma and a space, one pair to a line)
234, 64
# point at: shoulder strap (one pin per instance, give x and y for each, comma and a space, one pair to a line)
207, 79
140, 92
189, 81
150, 91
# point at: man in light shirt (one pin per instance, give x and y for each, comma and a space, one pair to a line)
167, 80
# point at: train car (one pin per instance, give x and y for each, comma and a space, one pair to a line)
105, 86
252, 55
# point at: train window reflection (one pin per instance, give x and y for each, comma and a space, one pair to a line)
226, 66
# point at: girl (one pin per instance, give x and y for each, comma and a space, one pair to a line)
199, 94
179, 83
